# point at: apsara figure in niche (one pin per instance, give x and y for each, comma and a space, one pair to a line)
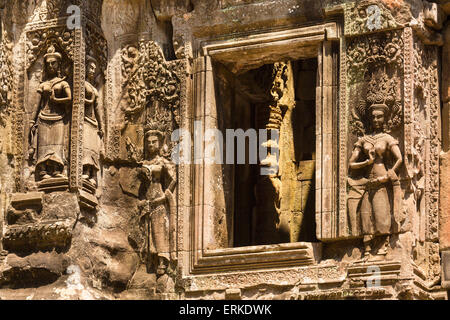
377, 158
158, 209
48, 129
93, 131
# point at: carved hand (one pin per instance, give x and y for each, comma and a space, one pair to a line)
383, 179
167, 193
53, 96
157, 202
142, 206
33, 125
31, 153
392, 175
371, 156
173, 256
418, 194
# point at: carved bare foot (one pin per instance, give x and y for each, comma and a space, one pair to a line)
162, 267
92, 180
44, 175
366, 254
383, 250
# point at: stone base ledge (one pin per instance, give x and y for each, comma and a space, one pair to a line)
37, 236
320, 281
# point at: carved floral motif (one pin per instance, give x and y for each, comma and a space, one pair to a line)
151, 90
378, 50
373, 181
39, 40
426, 119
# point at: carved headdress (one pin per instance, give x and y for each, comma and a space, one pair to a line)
159, 123
90, 58
51, 53
381, 94
153, 132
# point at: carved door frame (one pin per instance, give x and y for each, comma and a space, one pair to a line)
205, 202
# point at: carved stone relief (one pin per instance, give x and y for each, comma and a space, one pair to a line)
6, 81
395, 71
88, 189
375, 72
49, 121
375, 194
370, 16
148, 79
268, 190
376, 51
150, 108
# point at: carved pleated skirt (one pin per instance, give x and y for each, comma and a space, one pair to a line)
159, 232
376, 211
91, 143
51, 138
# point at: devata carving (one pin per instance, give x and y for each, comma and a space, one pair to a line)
92, 205
48, 123
92, 130
158, 210
374, 180
379, 50
150, 102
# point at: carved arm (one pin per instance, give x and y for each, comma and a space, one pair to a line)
98, 115
398, 158
358, 165
64, 100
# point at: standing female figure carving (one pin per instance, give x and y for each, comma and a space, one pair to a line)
380, 183
158, 208
48, 121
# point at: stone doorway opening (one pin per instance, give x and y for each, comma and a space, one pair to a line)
279, 207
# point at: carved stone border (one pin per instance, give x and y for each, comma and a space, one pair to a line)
76, 131
343, 136
203, 260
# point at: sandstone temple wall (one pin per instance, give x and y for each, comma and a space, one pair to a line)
115, 116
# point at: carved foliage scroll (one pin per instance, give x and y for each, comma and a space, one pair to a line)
150, 98
425, 148
39, 40
376, 51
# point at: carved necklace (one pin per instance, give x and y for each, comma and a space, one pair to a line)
373, 139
